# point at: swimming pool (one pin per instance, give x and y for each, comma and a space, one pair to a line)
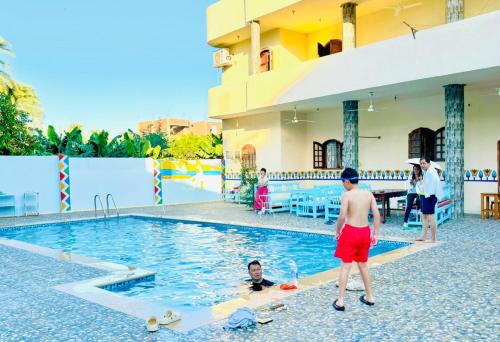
197, 264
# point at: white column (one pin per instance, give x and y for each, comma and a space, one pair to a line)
348, 26
254, 47
454, 10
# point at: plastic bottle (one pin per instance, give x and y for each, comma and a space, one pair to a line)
294, 273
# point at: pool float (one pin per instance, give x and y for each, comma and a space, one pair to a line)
288, 287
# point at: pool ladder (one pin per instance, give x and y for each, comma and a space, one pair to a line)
108, 196
97, 199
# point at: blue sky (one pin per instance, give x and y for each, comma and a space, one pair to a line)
109, 64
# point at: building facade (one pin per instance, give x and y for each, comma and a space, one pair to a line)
309, 87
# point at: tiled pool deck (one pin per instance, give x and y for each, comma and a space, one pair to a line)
449, 292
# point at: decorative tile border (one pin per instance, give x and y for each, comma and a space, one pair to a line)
121, 285
64, 183
157, 182
472, 175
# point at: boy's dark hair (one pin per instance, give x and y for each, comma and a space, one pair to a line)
350, 174
426, 158
255, 262
263, 169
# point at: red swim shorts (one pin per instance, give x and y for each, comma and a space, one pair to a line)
353, 244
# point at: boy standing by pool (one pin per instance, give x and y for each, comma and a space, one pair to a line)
355, 237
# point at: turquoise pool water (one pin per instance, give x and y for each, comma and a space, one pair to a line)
197, 264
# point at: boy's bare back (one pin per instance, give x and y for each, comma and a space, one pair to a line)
358, 203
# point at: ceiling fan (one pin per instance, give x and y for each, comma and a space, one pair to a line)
370, 108
295, 119
400, 7
496, 93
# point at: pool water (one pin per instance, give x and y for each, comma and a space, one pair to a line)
196, 264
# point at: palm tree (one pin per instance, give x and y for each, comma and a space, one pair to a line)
23, 95
5, 80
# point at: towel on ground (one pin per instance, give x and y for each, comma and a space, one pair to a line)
241, 318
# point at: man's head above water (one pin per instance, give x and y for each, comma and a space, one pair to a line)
255, 271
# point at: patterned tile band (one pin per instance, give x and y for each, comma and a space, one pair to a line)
157, 182
64, 183
473, 175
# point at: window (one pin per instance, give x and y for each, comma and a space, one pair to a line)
248, 156
439, 145
327, 155
265, 60
318, 155
421, 143
333, 154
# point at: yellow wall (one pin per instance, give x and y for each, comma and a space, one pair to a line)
262, 131
383, 25
322, 36
258, 8
478, 7
225, 16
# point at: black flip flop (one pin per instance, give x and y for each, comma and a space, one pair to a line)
336, 307
363, 300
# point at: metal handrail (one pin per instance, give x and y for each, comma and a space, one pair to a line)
114, 203
97, 197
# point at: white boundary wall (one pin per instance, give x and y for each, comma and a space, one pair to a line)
31, 174
129, 180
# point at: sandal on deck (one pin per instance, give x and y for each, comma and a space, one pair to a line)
170, 317
336, 307
363, 300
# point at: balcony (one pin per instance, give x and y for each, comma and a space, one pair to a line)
256, 92
461, 52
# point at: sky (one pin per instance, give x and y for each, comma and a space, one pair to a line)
108, 64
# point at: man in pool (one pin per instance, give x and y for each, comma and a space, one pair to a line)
255, 272
355, 238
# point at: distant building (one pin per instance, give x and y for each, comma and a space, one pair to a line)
173, 126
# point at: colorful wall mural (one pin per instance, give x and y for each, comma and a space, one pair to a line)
188, 181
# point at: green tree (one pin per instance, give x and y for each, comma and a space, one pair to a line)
192, 146
69, 143
15, 136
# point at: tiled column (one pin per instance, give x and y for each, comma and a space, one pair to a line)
454, 131
350, 148
348, 26
454, 10
254, 47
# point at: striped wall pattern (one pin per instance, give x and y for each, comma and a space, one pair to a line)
64, 183
157, 182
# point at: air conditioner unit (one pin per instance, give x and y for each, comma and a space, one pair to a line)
222, 58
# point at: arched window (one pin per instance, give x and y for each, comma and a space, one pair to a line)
327, 155
439, 145
421, 143
265, 60
248, 156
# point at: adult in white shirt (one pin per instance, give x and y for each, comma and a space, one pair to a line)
432, 191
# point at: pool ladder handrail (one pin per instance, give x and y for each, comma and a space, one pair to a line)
97, 197
114, 203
